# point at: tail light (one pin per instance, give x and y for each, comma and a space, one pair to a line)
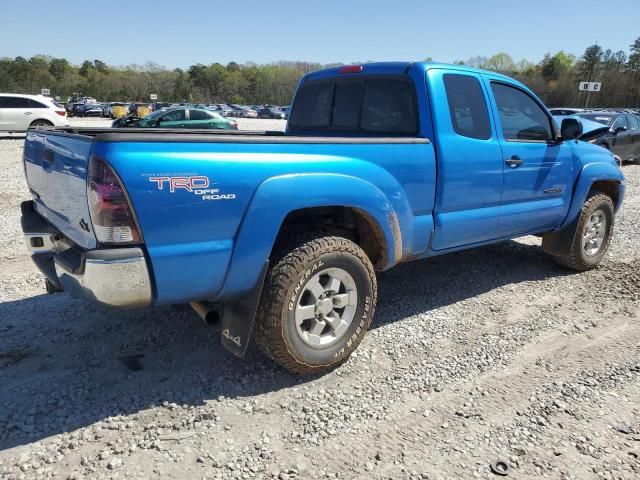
111, 213
62, 113
351, 69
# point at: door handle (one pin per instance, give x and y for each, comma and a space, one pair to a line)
514, 161
28, 113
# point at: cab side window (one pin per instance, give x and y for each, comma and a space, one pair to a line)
467, 106
521, 118
634, 123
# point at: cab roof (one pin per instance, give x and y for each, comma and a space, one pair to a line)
400, 68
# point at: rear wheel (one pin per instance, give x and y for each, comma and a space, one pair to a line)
41, 123
593, 234
317, 303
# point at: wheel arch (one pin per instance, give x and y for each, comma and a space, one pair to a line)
600, 176
310, 199
41, 119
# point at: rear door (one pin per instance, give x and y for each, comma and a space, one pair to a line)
470, 167
200, 119
537, 169
634, 130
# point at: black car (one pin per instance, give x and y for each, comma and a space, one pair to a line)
89, 110
623, 135
271, 112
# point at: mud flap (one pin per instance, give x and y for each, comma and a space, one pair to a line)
238, 318
559, 243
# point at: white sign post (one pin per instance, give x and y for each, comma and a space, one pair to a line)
46, 92
153, 96
589, 87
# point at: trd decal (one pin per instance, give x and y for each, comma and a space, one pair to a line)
198, 185
186, 183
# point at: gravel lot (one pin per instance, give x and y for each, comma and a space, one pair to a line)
485, 355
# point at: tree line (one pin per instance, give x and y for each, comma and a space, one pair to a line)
555, 78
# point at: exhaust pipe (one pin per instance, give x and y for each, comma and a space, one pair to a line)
206, 313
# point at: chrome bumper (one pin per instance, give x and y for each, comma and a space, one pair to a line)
117, 277
114, 277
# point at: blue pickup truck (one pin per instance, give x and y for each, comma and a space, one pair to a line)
380, 163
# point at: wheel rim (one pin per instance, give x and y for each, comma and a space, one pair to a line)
594, 233
326, 307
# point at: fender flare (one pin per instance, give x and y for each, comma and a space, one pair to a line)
278, 196
274, 199
559, 241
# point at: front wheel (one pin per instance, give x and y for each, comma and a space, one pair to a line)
593, 234
317, 303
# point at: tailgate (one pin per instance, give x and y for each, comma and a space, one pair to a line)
56, 170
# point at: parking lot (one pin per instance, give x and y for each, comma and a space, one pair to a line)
479, 356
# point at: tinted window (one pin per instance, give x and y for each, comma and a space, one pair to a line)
388, 106
15, 102
363, 105
597, 117
173, 116
521, 118
199, 115
634, 123
467, 106
346, 104
620, 121
35, 104
313, 106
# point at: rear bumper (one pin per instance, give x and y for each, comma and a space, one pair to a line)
114, 277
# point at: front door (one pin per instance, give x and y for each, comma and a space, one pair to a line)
537, 169
17, 113
622, 138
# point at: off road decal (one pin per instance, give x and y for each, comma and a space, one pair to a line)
227, 334
195, 184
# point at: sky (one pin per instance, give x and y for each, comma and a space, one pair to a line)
179, 33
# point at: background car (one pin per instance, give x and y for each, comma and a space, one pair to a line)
242, 111
565, 111
621, 133
271, 112
180, 117
91, 110
108, 110
19, 112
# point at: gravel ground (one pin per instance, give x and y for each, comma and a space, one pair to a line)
485, 355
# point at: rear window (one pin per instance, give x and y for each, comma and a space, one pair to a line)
199, 115
604, 119
384, 106
467, 107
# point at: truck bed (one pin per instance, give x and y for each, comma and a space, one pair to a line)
172, 135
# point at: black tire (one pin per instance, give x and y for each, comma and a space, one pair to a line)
41, 123
577, 259
277, 333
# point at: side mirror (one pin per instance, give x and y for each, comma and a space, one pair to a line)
617, 130
571, 129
